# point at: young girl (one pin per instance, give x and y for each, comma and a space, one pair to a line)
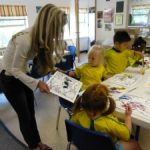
93, 71
94, 110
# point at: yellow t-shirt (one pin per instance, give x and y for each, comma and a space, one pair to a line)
117, 62
89, 75
105, 124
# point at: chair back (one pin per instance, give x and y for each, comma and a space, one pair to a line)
86, 139
72, 50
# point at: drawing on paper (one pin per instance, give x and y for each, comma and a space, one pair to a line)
140, 106
125, 79
64, 86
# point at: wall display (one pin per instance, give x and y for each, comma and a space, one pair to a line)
108, 27
99, 14
118, 19
38, 8
119, 6
99, 24
108, 16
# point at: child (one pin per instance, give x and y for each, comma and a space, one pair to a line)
93, 71
94, 110
120, 57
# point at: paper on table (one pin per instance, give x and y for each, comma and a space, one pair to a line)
125, 79
64, 86
140, 105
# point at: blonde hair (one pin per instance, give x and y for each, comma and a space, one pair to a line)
94, 49
47, 33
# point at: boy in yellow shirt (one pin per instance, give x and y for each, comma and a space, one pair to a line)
94, 110
93, 71
119, 57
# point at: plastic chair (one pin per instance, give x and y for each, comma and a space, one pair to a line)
86, 139
72, 50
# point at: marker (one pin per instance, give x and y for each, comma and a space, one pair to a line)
131, 90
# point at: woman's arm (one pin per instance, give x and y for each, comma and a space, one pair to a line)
18, 68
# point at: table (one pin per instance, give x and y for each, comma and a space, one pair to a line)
139, 88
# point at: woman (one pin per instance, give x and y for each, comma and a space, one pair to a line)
43, 40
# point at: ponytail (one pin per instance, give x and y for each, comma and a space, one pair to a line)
77, 105
110, 107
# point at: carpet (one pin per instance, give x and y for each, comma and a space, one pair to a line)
8, 141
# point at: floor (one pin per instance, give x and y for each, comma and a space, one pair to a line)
46, 112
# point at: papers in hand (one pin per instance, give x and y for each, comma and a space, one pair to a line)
64, 86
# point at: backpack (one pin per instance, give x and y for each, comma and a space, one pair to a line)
139, 44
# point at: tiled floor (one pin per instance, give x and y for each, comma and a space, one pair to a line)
46, 113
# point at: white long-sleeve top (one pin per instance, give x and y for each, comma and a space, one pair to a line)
17, 53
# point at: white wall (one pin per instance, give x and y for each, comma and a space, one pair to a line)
101, 34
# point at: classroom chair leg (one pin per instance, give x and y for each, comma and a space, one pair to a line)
58, 117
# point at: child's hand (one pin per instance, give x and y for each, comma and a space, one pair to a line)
72, 74
140, 54
128, 110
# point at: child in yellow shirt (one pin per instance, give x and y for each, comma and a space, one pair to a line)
94, 110
93, 71
119, 57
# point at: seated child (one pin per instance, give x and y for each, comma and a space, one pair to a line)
119, 57
93, 71
94, 110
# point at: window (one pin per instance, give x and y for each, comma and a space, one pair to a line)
12, 20
140, 16
83, 22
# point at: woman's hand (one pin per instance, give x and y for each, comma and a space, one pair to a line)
43, 87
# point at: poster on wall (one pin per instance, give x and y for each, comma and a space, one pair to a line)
118, 19
108, 15
99, 23
38, 8
119, 7
108, 27
99, 14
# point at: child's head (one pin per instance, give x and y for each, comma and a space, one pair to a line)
95, 100
95, 55
121, 40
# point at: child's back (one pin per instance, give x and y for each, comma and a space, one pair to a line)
94, 110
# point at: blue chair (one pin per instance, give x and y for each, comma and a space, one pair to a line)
86, 139
72, 50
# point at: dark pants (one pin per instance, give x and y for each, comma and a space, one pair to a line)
22, 100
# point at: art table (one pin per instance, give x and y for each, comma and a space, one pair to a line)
132, 87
